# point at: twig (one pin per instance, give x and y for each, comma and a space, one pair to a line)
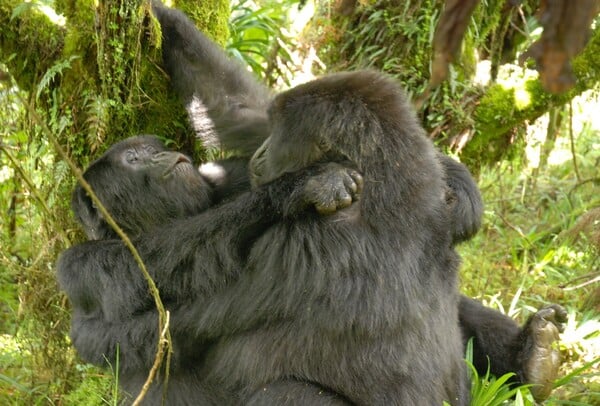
162, 315
596, 278
515, 228
163, 342
587, 275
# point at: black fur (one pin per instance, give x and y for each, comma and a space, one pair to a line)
502, 346
463, 198
210, 84
383, 305
234, 104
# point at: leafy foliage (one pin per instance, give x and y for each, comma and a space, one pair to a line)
259, 38
489, 390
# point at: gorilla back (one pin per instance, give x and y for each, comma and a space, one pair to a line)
364, 302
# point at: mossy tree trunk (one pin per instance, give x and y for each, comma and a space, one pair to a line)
91, 76
99, 65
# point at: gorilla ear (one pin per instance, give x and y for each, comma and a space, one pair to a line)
88, 215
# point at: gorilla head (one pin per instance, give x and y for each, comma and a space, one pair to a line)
362, 119
142, 185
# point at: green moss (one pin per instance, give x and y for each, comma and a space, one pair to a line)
211, 17
495, 111
586, 66
506, 107
79, 41
29, 44
467, 59
500, 112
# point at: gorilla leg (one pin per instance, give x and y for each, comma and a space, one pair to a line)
500, 344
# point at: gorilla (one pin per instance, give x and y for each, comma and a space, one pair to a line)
131, 330
160, 199
385, 305
217, 90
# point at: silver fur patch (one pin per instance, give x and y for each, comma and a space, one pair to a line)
202, 124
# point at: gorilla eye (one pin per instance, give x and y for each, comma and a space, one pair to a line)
131, 157
150, 150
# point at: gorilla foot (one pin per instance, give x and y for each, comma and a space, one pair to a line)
541, 358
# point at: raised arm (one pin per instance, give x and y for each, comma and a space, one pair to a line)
227, 106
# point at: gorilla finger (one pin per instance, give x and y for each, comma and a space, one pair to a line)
560, 312
350, 185
358, 182
545, 327
343, 199
558, 316
326, 208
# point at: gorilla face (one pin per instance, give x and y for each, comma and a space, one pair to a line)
142, 185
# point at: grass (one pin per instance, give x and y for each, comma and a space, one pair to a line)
527, 255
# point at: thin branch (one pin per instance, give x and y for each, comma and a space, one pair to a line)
163, 342
515, 228
595, 274
595, 277
163, 317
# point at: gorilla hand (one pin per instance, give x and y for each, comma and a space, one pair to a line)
334, 189
541, 359
328, 187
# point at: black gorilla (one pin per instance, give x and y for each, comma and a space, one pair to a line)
156, 195
385, 302
227, 107
212, 85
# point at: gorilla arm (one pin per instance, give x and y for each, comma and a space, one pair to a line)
201, 73
502, 346
222, 98
498, 342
